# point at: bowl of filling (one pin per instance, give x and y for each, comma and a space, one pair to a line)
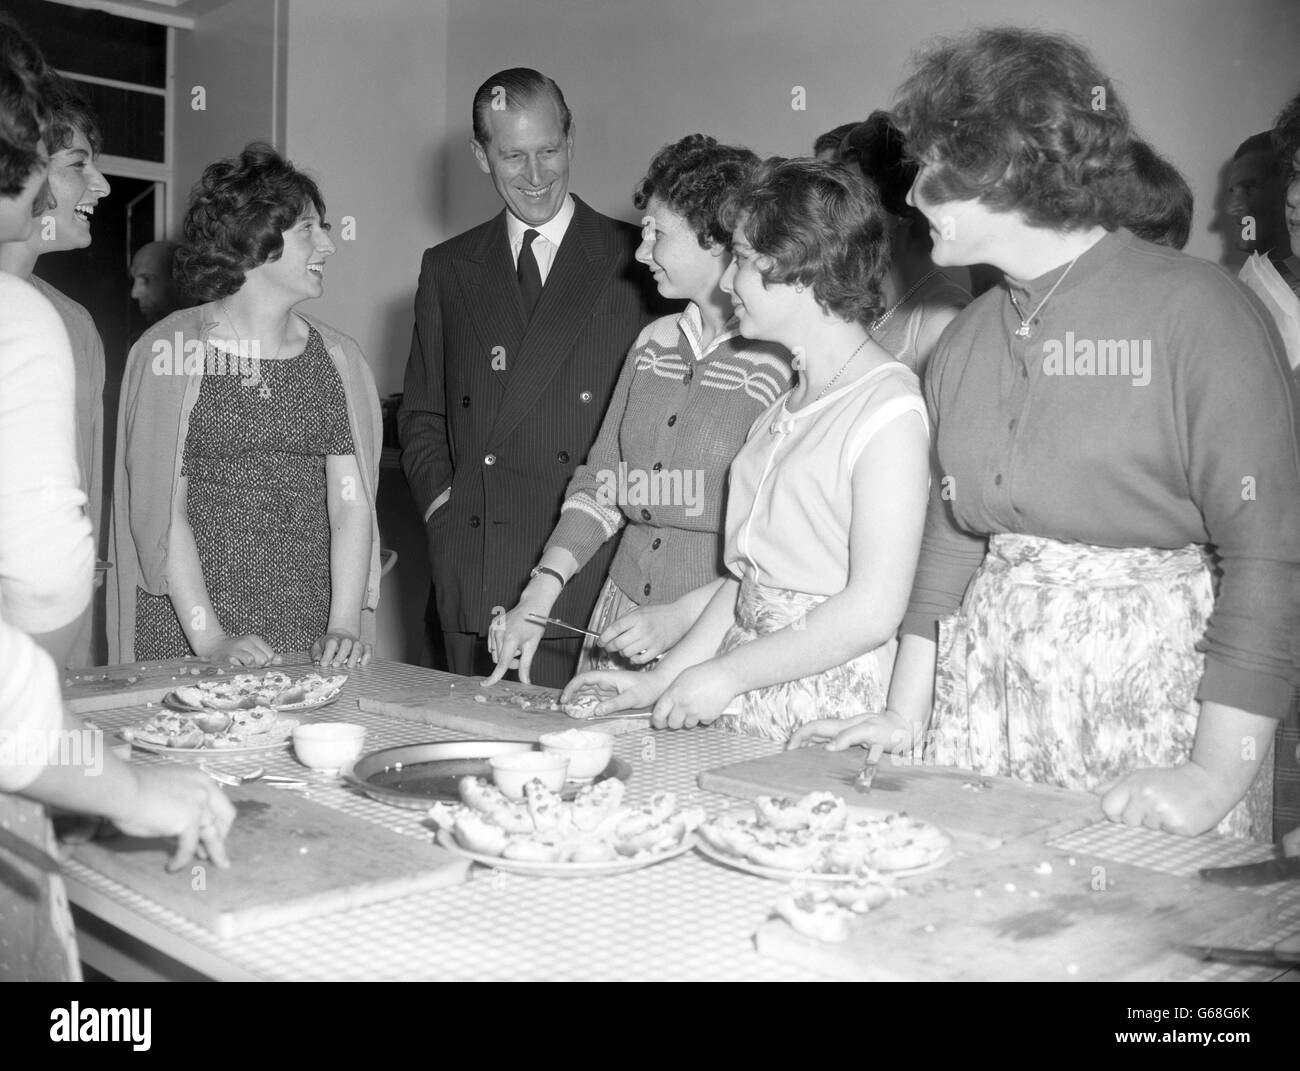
514, 770
588, 752
329, 745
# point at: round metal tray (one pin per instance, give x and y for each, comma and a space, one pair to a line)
416, 776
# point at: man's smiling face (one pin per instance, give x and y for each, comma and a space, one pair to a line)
528, 157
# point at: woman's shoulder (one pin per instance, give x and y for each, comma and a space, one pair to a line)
24, 304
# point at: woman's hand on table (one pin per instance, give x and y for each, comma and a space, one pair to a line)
886, 729
635, 690
1184, 799
240, 651
182, 802
643, 634
338, 647
698, 696
513, 640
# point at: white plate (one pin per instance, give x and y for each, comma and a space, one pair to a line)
565, 870
172, 703
778, 874
208, 754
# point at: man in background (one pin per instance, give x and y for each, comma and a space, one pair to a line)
152, 286
1256, 205
522, 325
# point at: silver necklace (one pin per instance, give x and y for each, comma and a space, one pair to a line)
876, 325
1023, 330
841, 371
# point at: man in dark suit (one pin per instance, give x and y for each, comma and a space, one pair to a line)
521, 327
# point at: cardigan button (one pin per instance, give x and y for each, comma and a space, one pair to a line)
658, 465
646, 589
655, 544
672, 420
645, 514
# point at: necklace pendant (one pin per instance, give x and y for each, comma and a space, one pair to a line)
1023, 330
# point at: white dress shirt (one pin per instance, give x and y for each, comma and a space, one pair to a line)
549, 236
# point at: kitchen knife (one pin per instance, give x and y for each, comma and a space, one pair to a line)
1282, 954
1265, 873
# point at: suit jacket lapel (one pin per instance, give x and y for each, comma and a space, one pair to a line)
492, 300
582, 268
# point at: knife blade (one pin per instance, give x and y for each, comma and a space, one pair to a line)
1282, 954
539, 619
1265, 873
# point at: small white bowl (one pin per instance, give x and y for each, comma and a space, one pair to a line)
588, 752
514, 770
329, 745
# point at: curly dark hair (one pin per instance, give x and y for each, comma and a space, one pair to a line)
833, 140
23, 111
1155, 200
693, 177
1286, 138
822, 225
1019, 120
236, 220
69, 114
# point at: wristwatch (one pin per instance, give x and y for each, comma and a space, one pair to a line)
549, 572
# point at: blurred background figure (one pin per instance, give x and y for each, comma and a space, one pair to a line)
920, 299
827, 146
152, 286
1256, 202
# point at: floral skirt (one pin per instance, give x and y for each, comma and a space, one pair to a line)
1073, 665
859, 686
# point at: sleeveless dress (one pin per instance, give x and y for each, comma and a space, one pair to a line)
255, 458
788, 520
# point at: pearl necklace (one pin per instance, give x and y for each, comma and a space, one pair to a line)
876, 325
1023, 330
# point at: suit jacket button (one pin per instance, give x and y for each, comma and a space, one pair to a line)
491, 459
465, 402
474, 522
585, 397
562, 457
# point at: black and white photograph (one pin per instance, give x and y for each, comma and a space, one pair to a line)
651, 491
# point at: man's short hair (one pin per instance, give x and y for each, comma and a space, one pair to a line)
512, 90
1262, 142
832, 140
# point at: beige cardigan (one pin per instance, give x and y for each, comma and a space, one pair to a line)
159, 388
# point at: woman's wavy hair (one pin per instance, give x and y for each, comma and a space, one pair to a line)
236, 220
822, 225
1286, 139
24, 114
693, 177
70, 114
1021, 121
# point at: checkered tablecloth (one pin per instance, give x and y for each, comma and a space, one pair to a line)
685, 919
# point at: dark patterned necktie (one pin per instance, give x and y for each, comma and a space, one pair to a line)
530, 278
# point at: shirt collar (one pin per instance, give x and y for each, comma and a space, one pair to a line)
691, 324
552, 230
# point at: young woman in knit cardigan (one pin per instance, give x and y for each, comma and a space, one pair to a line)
690, 389
827, 497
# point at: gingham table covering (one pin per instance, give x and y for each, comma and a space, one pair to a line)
683, 919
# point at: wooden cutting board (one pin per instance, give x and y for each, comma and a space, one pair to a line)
1094, 921
992, 808
109, 687
456, 706
290, 859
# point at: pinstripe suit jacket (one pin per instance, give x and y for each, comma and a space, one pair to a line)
501, 412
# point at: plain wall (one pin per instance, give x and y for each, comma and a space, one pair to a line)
236, 54
366, 115
1199, 76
